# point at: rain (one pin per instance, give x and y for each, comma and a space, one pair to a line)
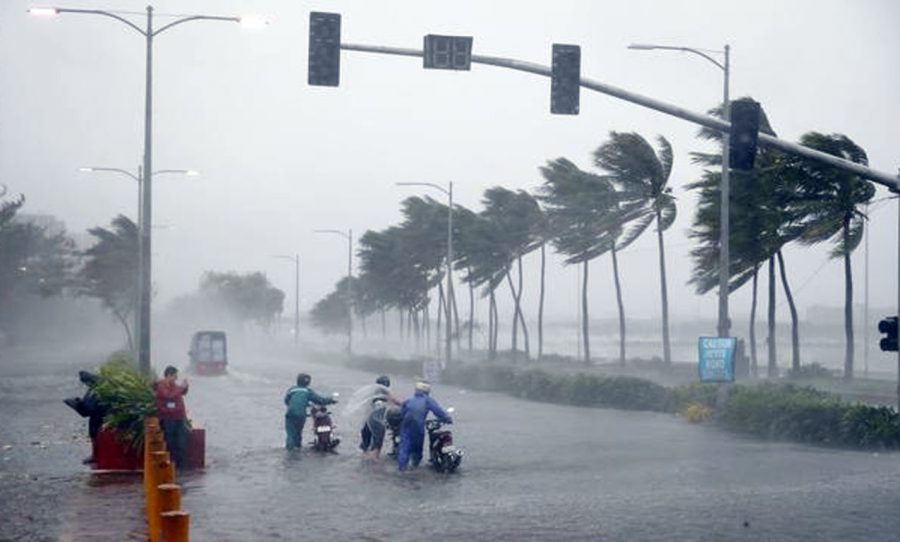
514, 211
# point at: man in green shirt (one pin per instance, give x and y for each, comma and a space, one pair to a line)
296, 399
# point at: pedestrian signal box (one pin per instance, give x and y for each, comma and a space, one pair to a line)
888, 326
324, 49
447, 52
565, 82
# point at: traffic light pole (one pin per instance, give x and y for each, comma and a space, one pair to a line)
715, 123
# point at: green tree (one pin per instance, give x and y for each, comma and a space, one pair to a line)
763, 219
832, 203
34, 263
110, 269
641, 173
331, 314
248, 297
586, 215
514, 216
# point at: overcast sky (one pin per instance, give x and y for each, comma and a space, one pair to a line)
279, 158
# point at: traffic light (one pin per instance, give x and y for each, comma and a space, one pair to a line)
888, 326
565, 83
324, 49
447, 52
744, 134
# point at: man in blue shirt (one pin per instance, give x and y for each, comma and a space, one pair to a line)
296, 399
412, 428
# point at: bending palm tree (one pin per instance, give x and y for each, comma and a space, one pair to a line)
833, 202
641, 174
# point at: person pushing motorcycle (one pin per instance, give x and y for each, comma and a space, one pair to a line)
412, 428
372, 432
297, 399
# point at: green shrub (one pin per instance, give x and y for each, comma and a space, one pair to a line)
869, 426
766, 410
128, 397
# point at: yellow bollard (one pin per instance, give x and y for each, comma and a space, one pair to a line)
159, 474
169, 497
175, 526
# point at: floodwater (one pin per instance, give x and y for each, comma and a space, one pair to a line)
532, 471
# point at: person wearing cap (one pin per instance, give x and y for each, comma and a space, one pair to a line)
173, 414
372, 432
412, 428
296, 400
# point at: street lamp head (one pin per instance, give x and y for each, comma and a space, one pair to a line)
192, 173
43, 12
642, 46
253, 21
85, 169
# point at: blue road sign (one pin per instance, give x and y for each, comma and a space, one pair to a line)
716, 359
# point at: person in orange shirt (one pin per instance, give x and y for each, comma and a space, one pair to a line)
172, 414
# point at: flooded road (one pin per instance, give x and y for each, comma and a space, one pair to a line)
531, 472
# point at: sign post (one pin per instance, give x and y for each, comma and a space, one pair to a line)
716, 359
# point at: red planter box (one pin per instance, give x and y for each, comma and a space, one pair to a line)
196, 451
111, 454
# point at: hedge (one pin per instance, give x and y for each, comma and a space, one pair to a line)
764, 410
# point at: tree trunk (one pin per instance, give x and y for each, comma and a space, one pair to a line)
124, 321
471, 313
402, 335
621, 306
664, 291
795, 325
541, 304
455, 315
772, 369
496, 328
848, 305
383, 324
515, 328
522, 314
584, 316
414, 321
441, 313
754, 366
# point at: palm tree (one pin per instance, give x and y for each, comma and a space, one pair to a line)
833, 201
763, 219
641, 173
586, 215
514, 215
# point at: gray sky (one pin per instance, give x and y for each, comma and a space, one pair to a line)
280, 159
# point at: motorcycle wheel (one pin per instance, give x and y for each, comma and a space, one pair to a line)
451, 463
323, 442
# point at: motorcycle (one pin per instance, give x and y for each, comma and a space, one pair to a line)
392, 421
444, 456
323, 428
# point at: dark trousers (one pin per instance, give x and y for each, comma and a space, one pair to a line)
372, 435
176, 434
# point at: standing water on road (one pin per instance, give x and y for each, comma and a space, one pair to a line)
533, 471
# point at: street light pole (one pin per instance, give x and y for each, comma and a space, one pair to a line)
447, 310
296, 259
348, 235
146, 187
724, 322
